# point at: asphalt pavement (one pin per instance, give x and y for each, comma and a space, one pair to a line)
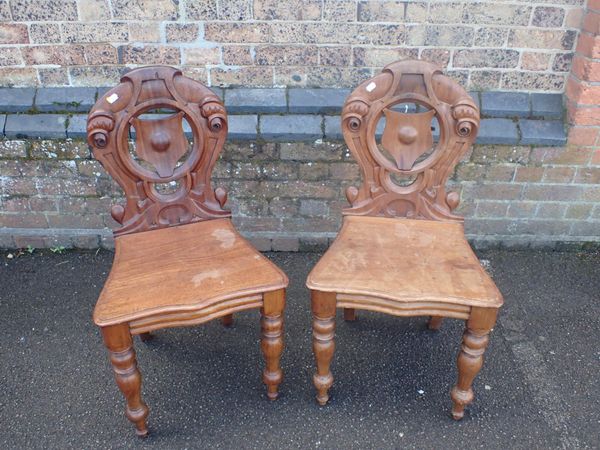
539, 388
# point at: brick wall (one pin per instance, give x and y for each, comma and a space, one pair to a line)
508, 45
288, 196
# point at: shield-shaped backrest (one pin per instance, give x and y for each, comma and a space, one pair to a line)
166, 178
410, 96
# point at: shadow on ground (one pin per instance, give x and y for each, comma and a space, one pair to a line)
540, 386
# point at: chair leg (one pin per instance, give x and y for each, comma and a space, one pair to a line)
470, 358
435, 322
145, 337
227, 320
271, 343
323, 309
119, 343
349, 314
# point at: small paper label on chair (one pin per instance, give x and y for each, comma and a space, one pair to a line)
371, 86
112, 98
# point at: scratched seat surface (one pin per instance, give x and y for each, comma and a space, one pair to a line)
404, 260
183, 268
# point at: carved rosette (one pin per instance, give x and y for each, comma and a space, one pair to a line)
458, 117
161, 144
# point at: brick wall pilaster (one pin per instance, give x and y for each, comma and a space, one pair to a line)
583, 85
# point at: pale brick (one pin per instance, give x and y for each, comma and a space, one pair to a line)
536, 38
13, 33
234, 10
379, 57
499, 14
202, 55
339, 10
10, 56
54, 77
335, 56
93, 10
534, 81
535, 61
446, 12
201, 9
181, 32
237, 55
67, 55
14, 77
279, 55
288, 10
491, 37
496, 58
44, 33
237, 32
548, 17
95, 32
145, 9
242, 76
144, 32
149, 54
43, 10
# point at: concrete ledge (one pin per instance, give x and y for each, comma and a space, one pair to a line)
304, 114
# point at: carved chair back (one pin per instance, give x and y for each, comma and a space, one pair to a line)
166, 180
407, 147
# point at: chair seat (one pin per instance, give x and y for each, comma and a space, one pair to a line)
183, 268
404, 260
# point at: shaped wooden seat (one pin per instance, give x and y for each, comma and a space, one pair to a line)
179, 260
196, 272
401, 249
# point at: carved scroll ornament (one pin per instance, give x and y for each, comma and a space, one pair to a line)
406, 139
160, 144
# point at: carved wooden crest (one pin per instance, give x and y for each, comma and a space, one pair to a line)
161, 144
407, 138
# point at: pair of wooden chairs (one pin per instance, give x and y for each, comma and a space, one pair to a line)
179, 261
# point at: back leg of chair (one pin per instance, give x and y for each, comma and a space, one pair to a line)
227, 320
349, 314
470, 357
145, 337
271, 343
435, 322
119, 342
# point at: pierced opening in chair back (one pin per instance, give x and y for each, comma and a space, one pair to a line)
139, 132
408, 127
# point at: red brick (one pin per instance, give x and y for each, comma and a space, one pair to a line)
583, 115
591, 22
582, 93
558, 174
583, 136
586, 69
588, 45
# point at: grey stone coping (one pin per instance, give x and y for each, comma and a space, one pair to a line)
498, 131
290, 127
277, 100
505, 104
542, 132
247, 101
16, 99
76, 99
36, 126
547, 106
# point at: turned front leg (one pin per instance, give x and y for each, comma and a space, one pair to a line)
470, 357
323, 309
271, 325
119, 343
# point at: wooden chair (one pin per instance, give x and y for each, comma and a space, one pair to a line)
401, 250
179, 261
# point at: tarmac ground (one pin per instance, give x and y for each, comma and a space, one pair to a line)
539, 387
